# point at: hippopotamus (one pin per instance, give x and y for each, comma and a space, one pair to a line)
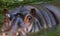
32, 18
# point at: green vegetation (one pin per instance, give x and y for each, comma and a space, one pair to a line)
10, 4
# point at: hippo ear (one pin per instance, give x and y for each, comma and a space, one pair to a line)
5, 11
33, 11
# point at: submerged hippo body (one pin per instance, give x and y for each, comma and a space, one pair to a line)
43, 17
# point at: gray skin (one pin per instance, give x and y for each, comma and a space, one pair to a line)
13, 24
53, 10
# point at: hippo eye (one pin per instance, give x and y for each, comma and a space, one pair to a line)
29, 17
